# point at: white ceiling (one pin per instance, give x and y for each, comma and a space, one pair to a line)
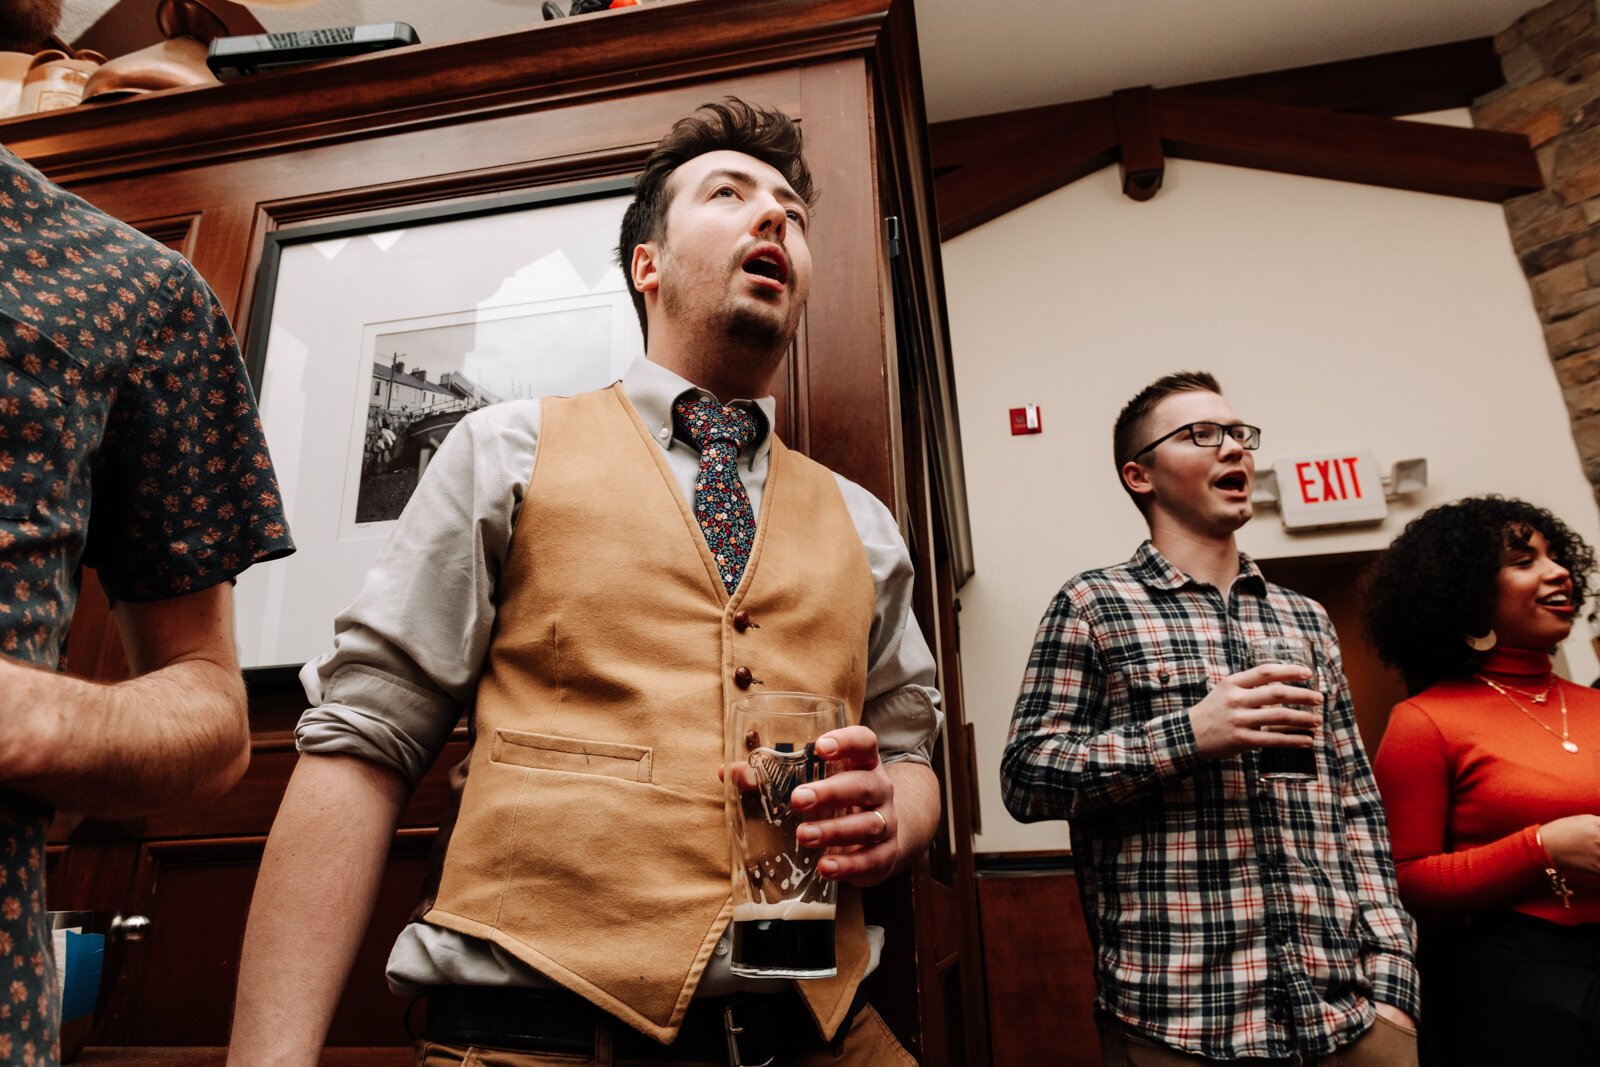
984, 56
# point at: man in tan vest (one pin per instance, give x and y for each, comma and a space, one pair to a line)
579, 910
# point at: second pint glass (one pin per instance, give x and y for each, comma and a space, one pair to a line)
1287, 764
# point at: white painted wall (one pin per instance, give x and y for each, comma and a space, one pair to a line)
1335, 315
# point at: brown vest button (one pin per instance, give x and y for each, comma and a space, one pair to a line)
741, 621
742, 678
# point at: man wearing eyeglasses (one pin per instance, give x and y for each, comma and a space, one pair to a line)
1233, 917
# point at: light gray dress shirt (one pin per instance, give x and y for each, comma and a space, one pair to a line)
407, 652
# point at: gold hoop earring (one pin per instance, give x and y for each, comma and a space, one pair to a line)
1481, 644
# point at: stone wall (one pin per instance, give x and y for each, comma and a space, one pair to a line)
1551, 58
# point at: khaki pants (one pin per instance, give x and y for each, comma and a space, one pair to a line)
869, 1044
1385, 1044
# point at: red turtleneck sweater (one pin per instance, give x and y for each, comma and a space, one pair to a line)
1467, 780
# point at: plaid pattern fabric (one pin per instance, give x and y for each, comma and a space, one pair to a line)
1231, 916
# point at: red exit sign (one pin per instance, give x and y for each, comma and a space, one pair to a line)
1330, 489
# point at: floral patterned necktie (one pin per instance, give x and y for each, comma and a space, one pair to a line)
721, 505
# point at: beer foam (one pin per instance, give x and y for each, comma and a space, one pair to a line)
788, 910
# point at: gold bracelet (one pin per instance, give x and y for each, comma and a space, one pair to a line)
1558, 881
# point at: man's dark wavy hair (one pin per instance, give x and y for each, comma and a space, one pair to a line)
732, 125
1436, 582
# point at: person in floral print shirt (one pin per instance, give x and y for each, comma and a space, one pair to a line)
129, 441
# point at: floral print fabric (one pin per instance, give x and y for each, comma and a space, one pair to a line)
721, 505
129, 441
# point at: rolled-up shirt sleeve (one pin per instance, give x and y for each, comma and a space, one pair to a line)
902, 705
407, 651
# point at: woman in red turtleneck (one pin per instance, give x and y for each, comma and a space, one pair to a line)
1490, 774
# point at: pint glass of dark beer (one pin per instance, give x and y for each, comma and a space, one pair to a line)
1287, 764
782, 906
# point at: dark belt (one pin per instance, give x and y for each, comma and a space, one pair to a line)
746, 1030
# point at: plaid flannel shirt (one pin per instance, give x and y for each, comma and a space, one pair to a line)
1231, 916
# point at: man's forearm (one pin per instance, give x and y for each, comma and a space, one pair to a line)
313, 899
916, 804
176, 733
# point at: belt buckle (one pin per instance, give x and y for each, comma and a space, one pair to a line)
731, 1030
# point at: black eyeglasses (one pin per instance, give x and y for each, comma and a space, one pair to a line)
1210, 435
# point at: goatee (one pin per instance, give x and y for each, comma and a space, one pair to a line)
749, 327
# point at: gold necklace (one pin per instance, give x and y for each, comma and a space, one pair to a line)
1566, 742
1537, 698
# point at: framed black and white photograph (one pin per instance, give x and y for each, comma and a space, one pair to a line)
371, 340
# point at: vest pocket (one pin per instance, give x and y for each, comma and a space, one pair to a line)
547, 752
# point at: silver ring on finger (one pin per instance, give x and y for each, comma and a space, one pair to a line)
883, 831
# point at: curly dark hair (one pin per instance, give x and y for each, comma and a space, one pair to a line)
1436, 582
767, 135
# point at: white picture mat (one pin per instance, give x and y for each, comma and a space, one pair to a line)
332, 300
502, 350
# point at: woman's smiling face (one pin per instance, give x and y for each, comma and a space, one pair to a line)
1533, 595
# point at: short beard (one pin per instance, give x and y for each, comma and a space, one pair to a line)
25, 24
746, 326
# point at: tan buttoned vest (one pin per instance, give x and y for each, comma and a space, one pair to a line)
591, 841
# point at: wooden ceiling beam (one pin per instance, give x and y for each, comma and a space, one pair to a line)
1000, 162
1427, 158
963, 141
1140, 157
1396, 83
1326, 121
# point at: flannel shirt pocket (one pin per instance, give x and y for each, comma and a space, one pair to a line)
1171, 684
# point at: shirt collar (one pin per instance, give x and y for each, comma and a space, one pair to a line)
653, 389
1149, 566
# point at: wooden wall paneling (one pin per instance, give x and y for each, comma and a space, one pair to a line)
177, 232
197, 894
847, 371
949, 966
1039, 964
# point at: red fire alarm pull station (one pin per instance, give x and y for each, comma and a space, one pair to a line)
1025, 420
